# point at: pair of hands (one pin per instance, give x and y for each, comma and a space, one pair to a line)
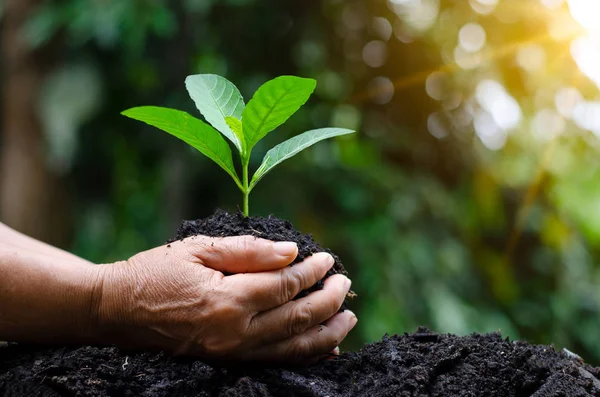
177, 298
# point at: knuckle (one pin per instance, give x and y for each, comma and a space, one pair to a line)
290, 284
301, 319
218, 346
296, 284
222, 311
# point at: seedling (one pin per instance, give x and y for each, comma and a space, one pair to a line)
222, 105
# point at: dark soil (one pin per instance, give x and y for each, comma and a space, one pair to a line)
420, 364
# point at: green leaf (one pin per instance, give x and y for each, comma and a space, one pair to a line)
217, 98
236, 126
293, 146
189, 129
273, 103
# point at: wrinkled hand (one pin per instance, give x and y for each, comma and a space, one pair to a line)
177, 298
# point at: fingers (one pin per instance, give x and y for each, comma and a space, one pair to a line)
264, 291
243, 254
315, 343
294, 318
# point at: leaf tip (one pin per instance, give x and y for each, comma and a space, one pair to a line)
127, 112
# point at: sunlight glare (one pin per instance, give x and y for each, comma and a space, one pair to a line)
586, 53
503, 108
489, 132
587, 116
553, 4
586, 12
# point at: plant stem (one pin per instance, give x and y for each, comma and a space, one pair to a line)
246, 190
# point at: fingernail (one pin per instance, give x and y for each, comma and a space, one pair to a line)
330, 260
285, 248
336, 351
347, 284
353, 318
327, 258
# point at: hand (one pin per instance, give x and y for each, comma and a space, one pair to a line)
177, 298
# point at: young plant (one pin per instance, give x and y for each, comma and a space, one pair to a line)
222, 105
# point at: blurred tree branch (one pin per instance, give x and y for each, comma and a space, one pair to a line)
32, 199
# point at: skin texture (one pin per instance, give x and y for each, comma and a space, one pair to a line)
176, 298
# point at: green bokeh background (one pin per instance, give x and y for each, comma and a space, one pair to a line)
436, 227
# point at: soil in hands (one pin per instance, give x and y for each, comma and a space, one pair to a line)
223, 224
419, 364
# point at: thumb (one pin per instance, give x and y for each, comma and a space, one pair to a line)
244, 254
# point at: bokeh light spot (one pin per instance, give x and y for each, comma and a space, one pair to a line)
404, 2
382, 27
471, 37
491, 135
346, 116
483, 7
503, 108
402, 33
566, 99
552, 4
435, 85
419, 15
452, 100
547, 124
381, 90
436, 126
466, 60
375, 53
425, 15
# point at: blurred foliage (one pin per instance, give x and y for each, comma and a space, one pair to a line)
469, 201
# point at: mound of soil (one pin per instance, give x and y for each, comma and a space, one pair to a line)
420, 364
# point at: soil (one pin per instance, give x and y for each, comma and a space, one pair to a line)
419, 364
